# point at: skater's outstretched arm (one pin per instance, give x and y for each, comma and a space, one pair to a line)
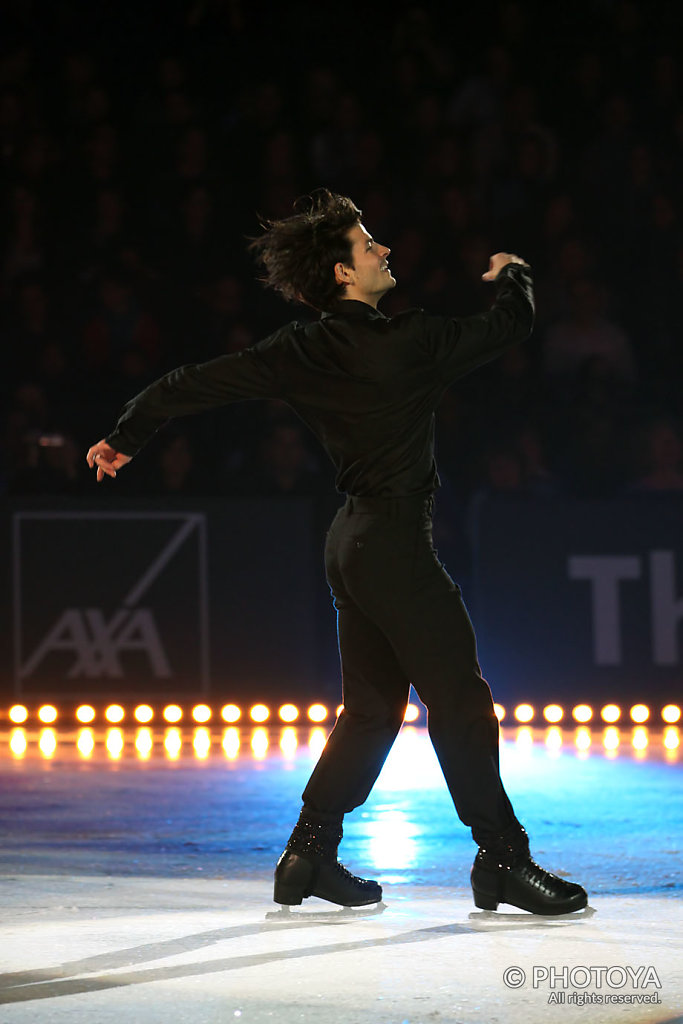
183, 391
460, 344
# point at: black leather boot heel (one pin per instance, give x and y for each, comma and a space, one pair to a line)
293, 877
309, 867
484, 902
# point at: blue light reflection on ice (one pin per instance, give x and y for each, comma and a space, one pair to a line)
411, 764
393, 840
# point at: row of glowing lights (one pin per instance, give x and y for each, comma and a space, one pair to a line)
173, 742
288, 713
260, 741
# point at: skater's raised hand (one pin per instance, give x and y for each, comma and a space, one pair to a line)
500, 260
105, 460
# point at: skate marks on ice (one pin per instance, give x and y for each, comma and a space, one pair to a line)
67, 979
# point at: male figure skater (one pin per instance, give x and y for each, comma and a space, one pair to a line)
368, 385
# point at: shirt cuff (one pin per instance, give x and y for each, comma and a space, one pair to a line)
118, 442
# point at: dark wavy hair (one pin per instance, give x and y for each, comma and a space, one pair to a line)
299, 253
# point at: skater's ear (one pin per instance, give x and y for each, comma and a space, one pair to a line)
343, 274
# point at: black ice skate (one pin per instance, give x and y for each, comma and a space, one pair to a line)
504, 872
309, 867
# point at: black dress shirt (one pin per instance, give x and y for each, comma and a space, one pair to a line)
366, 384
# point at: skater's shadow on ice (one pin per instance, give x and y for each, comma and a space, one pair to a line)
62, 980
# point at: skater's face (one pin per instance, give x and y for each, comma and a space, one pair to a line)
367, 277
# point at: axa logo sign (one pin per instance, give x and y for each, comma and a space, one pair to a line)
110, 596
97, 644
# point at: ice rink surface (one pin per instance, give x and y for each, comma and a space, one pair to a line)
136, 885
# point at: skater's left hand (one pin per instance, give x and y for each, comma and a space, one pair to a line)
500, 260
105, 459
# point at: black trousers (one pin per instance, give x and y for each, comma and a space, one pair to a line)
401, 619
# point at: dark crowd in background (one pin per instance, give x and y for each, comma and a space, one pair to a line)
139, 144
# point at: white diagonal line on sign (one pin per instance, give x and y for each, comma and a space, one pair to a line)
159, 564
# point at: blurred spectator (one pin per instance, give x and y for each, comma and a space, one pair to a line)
595, 459
503, 471
332, 150
48, 464
41, 457
660, 458
37, 351
120, 341
225, 323
501, 475
175, 470
24, 250
132, 188
479, 100
283, 466
539, 480
192, 248
588, 333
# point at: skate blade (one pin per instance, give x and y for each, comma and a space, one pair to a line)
339, 915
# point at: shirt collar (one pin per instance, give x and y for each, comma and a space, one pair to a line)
356, 309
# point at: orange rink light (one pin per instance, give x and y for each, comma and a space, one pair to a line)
671, 738
202, 742
259, 743
583, 738
524, 712
231, 742
611, 713
412, 713
553, 738
640, 739
259, 713
85, 744
288, 713
173, 743
524, 737
18, 743
611, 739
288, 741
319, 713
553, 713
316, 741
144, 743
47, 742
114, 743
